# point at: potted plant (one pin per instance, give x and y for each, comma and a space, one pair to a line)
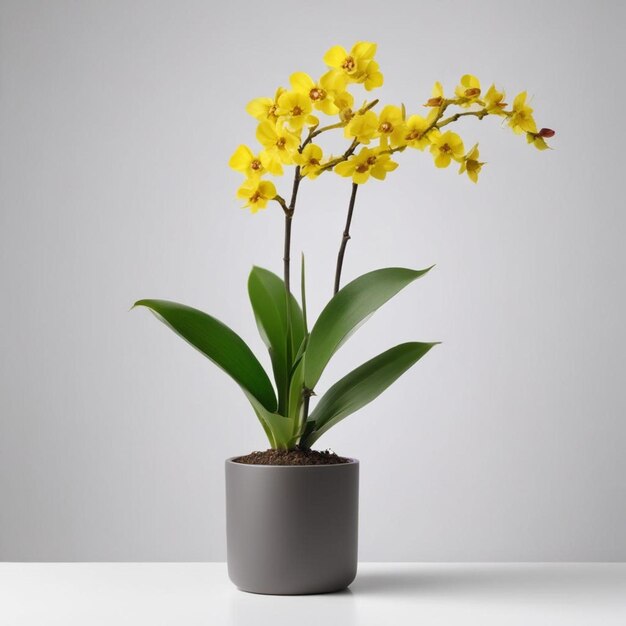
292, 511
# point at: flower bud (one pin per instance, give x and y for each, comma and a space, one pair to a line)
546, 132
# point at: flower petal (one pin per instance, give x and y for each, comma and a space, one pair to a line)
335, 56
241, 158
302, 82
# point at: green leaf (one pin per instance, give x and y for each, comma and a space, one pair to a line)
220, 344
361, 386
269, 303
299, 354
349, 308
278, 428
294, 410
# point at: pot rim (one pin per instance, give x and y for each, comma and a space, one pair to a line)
351, 462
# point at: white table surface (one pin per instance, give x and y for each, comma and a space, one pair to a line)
91, 594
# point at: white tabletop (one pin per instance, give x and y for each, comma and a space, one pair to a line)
181, 594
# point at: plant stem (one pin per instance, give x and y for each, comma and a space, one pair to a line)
453, 118
287, 257
287, 277
287, 249
303, 296
344, 157
345, 238
288, 218
314, 132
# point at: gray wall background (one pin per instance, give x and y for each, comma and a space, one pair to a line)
117, 121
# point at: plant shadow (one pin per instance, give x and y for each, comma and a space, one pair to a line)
547, 582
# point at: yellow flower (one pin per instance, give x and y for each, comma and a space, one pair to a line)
278, 141
538, 139
334, 81
436, 99
320, 93
365, 164
445, 147
391, 126
416, 133
468, 91
521, 118
243, 160
353, 64
363, 127
494, 101
256, 193
373, 77
265, 108
294, 107
471, 164
344, 101
310, 161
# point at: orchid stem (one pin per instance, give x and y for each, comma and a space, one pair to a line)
345, 238
287, 258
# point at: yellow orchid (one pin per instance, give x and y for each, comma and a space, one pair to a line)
344, 101
310, 161
283, 118
295, 107
320, 93
363, 127
521, 118
494, 101
468, 91
445, 147
256, 193
265, 108
365, 164
245, 161
538, 139
436, 98
391, 126
364, 137
352, 64
416, 129
278, 141
471, 164
373, 77
334, 81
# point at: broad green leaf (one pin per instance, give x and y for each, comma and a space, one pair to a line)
269, 303
220, 344
280, 427
361, 386
349, 308
264, 424
299, 354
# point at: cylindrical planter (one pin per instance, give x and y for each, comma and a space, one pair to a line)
292, 529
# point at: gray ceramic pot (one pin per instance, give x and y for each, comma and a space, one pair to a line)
292, 529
